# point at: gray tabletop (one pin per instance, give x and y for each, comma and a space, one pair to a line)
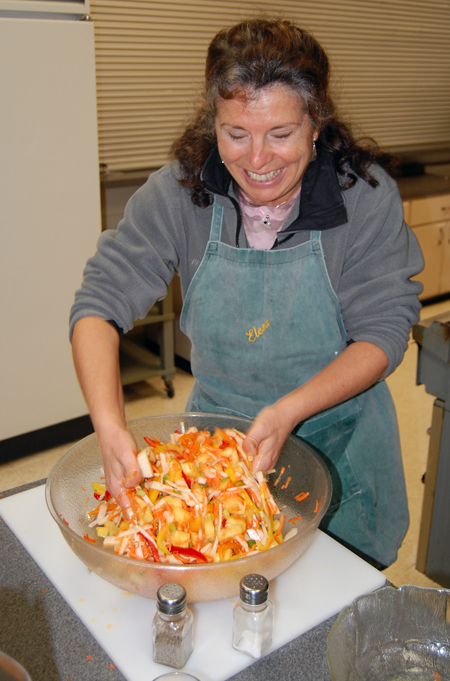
40, 630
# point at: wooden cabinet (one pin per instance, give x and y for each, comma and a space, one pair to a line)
430, 220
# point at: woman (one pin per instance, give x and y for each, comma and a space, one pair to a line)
294, 262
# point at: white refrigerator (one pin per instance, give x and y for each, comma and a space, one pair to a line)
50, 215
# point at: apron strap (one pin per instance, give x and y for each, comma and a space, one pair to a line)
216, 222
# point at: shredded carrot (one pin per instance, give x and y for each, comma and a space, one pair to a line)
65, 521
288, 480
111, 665
89, 657
294, 520
302, 496
280, 526
438, 678
69, 678
278, 479
317, 507
82, 488
88, 538
44, 591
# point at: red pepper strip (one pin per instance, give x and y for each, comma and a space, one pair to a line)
224, 444
186, 479
190, 553
105, 498
152, 443
152, 547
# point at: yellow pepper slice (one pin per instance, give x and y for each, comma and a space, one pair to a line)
160, 539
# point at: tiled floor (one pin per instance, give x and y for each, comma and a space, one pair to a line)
413, 407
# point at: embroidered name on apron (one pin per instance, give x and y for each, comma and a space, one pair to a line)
254, 333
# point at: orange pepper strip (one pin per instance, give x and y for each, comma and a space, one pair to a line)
302, 496
286, 483
294, 520
278, 479
88, 538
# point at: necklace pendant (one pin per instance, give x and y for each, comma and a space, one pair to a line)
266, 221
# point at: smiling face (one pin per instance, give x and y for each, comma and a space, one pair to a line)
265, 142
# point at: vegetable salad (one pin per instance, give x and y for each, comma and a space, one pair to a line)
199, 502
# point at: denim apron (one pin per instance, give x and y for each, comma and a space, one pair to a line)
261, 324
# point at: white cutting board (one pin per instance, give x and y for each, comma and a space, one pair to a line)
325, 579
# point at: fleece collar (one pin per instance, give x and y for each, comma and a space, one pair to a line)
321, 202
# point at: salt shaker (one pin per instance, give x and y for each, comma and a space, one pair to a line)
172, 627
253, 617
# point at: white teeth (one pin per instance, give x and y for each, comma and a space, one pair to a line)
264, 178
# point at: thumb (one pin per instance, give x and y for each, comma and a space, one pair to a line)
250, 445
133, 476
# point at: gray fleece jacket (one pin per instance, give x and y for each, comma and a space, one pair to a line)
370, 253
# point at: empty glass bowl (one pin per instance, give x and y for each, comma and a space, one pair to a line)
392, 635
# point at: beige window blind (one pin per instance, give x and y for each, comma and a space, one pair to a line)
390, 60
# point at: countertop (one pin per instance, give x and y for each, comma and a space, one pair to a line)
40, 630
420, 186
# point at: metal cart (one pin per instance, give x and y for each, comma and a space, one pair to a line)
137, 363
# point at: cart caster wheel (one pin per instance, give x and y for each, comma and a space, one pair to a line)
169, 388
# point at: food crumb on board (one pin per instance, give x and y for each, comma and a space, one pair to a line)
89, 657
111, 665
44, 591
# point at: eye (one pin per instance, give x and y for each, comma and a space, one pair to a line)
283, 136
236, 137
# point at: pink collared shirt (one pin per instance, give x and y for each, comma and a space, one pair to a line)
262, 223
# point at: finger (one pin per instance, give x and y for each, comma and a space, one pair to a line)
133, 477
127, 508
262, 462
250, 445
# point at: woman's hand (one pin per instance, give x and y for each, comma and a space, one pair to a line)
358, 367
118, 448
266, 437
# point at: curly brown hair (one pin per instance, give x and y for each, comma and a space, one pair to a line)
255, 54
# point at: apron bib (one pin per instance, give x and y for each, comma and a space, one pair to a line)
262, 323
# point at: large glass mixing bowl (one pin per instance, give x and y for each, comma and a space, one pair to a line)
72, 477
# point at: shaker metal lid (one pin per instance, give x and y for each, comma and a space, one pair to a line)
171, 598
254, 589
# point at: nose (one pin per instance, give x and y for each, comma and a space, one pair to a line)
260, 154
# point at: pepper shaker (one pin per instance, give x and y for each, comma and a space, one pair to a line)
253, 617
172, 627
